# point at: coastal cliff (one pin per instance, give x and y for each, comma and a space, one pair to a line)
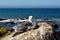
44, 31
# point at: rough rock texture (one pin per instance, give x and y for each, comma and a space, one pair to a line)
44, 32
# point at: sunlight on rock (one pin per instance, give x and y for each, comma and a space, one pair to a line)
44, 32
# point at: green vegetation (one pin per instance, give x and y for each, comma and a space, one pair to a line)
4, 31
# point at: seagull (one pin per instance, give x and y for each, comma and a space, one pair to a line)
24, 26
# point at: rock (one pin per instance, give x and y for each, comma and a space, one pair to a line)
43, 32
58, 35
2, 19
47, 30
54, 25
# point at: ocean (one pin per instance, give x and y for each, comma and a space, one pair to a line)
25, 12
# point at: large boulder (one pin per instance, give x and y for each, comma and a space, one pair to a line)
43, 32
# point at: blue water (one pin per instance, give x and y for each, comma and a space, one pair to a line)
25, 12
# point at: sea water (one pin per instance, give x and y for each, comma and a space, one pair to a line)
25, 12
11, 13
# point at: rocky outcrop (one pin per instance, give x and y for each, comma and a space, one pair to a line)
2, 19
43, 32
